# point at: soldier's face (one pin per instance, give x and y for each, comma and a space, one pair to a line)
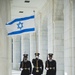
25, 58
36, 56
50, 57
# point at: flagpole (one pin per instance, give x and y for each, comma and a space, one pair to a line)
35, 33
36, 42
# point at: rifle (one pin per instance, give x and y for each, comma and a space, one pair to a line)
47, 61
37, 66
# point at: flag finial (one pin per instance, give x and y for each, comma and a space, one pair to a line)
33, 10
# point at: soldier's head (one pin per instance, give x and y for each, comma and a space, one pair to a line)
37, 55
50, 55
25, 56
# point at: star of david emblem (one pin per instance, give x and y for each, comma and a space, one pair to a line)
20, 25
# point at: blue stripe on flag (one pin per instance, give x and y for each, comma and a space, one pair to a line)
21, 31
20, 19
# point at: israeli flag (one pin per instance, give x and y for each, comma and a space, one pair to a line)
21, 25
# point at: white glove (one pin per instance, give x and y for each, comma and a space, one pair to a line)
21, 69
47, 68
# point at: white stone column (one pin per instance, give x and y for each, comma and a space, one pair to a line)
43, 34
73, 37
32, 46
9, 56
59, 46
38, 23
50, 27
4, 50
16, 52
35, 38
67, 37
25, 45
5, 43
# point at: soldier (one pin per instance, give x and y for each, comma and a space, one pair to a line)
25, 66
50, 65
38, 65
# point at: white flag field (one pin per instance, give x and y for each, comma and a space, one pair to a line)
21, 25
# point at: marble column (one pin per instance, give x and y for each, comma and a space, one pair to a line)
5, 43
73, 37
67, 37
16, 52
50, 27
32, 46
35, 38
43, 34
38, 23
4, 50
25, 45
59, 46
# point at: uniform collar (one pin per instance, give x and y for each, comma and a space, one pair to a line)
50, 60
